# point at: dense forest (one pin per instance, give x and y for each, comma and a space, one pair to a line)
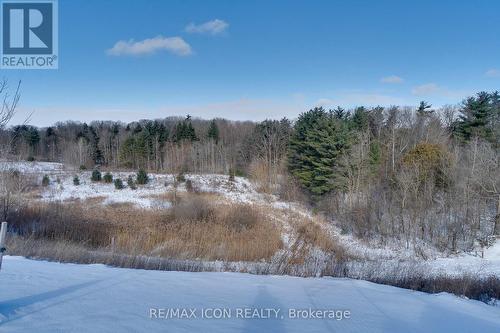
413, 174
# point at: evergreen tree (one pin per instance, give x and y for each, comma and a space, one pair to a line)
184, 130
213, 131
142, 177
51, 141
360, 119
319, 141
424, 109
480, 117
96, 176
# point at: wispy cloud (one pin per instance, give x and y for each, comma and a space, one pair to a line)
213, 27
174, 45
392, 79
427, 89
234, 109
492, 72
325, 102
355, 98
434, 90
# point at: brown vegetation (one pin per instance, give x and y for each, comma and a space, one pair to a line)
193, 229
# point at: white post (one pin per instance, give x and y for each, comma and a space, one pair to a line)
3, 232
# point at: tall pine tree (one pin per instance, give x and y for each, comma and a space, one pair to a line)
317, 144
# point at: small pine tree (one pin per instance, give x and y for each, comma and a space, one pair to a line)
96, 176
131, 183
118, 184
142, 177
181, 178
108, 178
76, 181
45, 180
189, 186
231, 175
83, 167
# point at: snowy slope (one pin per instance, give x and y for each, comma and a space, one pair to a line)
31, 167
37, 296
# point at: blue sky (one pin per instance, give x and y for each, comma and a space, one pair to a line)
127, 60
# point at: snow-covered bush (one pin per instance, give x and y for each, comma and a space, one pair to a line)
96, 176
108, 178
118, 184
131, 183
180, 177
142, 177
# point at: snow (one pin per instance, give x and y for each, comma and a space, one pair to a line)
31, 167
61, 188
144, 196
241, 190
38, 296
469, 264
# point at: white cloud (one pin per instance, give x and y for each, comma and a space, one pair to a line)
427, 89
174, 45
325, 102
368, 99
356, 98
392, 79
492, 72
213, 27
435, 90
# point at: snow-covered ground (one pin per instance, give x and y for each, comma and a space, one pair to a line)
468, 263
31, 167
145, 196
153, 195
61, 188
38, 296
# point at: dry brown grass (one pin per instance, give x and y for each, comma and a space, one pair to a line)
195, 228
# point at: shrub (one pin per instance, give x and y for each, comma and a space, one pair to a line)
108, 178
45, 180
76, 181
83, 167
30, 159
193, 209
240, 173
431, 160
142, 177
96, 176
231, 175
189, 186
181, 178
131, 183
118, 184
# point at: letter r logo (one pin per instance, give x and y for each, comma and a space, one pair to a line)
27, 28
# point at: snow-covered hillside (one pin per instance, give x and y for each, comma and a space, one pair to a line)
381, 259
38, 296
61, 188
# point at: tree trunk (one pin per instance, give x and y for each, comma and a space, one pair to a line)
496, 229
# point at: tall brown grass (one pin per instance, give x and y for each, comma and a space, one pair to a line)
195, 228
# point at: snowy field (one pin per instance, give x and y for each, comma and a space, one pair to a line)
153, 195
38, 296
